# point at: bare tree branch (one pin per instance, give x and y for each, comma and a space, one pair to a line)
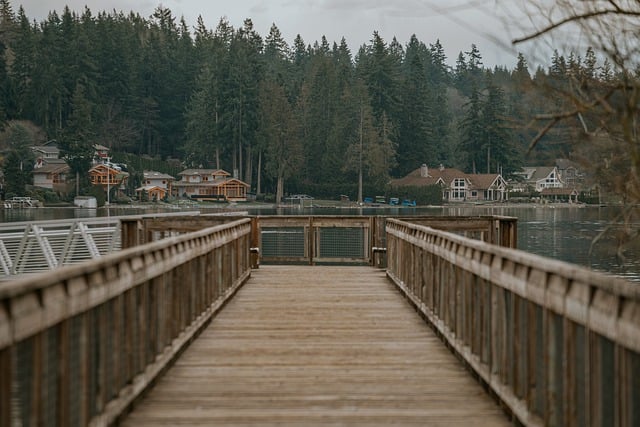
575, 18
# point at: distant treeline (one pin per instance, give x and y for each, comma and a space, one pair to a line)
303, 114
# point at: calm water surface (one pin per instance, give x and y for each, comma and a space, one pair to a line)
563, 233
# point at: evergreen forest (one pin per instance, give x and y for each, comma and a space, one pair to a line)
312, 116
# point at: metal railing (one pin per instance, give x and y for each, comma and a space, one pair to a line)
558, 344
37, 246
80, 343
40, 246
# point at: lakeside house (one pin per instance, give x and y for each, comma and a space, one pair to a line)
538, 178
210, 184
52, 176
49, 170
108, 177
457, 186
101, 153
156, 185
45, 152
569, 195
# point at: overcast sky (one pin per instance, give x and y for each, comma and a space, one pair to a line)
356, 20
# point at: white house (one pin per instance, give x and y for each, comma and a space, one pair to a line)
156, 185
540, 177
457, 186
158, 179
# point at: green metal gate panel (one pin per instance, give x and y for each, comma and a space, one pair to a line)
341, 242
283, 242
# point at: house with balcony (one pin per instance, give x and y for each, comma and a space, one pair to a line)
155, 186
457, 186
210, 184
45, 152
108, 178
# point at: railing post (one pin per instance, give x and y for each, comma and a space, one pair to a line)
130, 233
254, 245
312, 241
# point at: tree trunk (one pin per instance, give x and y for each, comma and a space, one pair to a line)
280, 189
248, 176
217, 143
360, 186
259, 183
489, 159
235, 163
240, 163
360, 155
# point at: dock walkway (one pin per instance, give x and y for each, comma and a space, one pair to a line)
317, 346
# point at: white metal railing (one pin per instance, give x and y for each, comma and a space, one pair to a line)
36, 246
40, 246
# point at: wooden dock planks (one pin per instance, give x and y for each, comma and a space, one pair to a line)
317, 345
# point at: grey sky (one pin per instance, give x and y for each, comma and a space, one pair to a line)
356, 20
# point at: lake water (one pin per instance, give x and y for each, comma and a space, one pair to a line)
560, 232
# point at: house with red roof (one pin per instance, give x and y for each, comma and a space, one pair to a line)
457, 186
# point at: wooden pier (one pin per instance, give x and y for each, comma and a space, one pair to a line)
317, 346
429, 321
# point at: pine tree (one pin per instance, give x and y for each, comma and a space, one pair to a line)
371, 153
76, 140
18, 162
381, 77
501, 154
416, 144
21, 71
279, 134
202, 146
241, 97
590, 63
276, 54
472, 133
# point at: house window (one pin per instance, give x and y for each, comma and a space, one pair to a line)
458, 192
474, 193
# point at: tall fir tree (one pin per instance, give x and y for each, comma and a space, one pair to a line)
280, 135
472, 133
76, 139
18, 162
416, 144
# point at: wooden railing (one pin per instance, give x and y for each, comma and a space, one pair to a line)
319, 239
558, 344
79, 344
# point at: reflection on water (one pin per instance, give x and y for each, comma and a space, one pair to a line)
563, 233
589, 236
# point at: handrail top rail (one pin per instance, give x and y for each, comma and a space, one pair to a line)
574, 273
90, 220
435, 217
341, 216
45, 279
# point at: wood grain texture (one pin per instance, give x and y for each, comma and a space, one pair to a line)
317, 345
